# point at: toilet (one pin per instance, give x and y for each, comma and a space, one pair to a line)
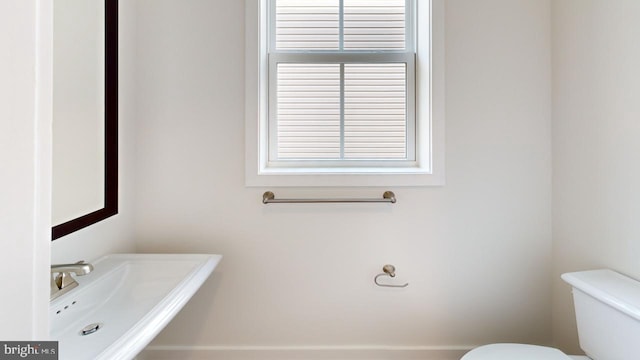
607, 308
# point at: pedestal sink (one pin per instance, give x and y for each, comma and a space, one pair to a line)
127, 299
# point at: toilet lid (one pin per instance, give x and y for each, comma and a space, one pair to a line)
513, 352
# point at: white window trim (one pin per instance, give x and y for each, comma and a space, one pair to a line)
429, 168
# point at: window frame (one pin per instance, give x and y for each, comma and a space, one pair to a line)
428, 167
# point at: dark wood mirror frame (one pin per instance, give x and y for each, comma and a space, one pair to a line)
111, 131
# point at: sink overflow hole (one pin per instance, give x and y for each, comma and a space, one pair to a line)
90, 329
66, 307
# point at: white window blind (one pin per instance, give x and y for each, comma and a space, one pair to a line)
307, 24
374, 25
308, 111
341, 82
375, 116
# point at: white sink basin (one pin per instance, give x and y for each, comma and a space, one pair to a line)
131, 296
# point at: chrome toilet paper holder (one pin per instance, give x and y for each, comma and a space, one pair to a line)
390, 271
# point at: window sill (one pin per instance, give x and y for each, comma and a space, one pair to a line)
329, 177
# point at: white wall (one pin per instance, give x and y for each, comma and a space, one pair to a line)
115, 234
596, 128
25, 148
477, 252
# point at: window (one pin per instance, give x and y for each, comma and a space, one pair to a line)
341, 73
342, 92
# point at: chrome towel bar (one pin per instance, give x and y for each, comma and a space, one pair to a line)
270, 198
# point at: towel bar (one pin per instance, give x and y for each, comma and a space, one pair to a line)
270, 198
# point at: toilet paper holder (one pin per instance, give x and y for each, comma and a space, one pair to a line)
390, 271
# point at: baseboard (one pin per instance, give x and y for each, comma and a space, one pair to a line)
303, 353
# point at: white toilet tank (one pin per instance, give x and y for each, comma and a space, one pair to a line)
607, 306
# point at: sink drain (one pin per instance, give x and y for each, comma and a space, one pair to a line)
90, 329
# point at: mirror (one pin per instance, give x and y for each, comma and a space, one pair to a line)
85, 114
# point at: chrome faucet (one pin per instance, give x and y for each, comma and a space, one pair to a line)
63, 281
